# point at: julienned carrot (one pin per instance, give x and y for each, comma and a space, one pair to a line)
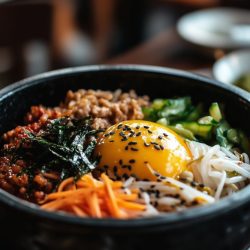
89, 197
78, 211
65, 183
130, 205
116, 212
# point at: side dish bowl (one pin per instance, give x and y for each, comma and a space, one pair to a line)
231, 67
218, 28
224, 225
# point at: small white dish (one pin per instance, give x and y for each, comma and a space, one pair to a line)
219, 28
232, 66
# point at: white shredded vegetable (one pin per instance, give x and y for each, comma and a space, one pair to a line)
218, 168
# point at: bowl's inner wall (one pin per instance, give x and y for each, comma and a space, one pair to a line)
52, 90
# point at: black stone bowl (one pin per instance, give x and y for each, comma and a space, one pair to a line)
224, 225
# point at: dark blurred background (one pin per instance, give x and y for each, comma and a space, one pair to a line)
38, 36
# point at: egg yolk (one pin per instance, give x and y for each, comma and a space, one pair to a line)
142, 149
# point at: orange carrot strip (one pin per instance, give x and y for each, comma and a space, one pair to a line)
93, 200
78, 211
130, 205
67, 193
115, 212
65, 183
94, 205
128, 197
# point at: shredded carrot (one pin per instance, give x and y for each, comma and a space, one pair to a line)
65, 183
78, 211
113, 204
89, 197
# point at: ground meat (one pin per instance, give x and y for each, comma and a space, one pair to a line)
105, 107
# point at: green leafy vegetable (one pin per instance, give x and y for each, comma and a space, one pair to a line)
202, 130
194, 123
215, 112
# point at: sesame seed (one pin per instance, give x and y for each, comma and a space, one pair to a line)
159, 137
129, 168
119, 126
162, 148
106, 135
157, 147
137, 127
124, 139
183, 202
193, 184
201, 185
145, 179
146, 144
124, 166
138, 134
126, 148
132, 133
125, 176
111, 141
152, 186
134, 149
120, 162
150, 132
112, 133
146, 127
132, 161
157, 193
154, 143
115, 169
166, 135
132, 143
122, 134
127, 127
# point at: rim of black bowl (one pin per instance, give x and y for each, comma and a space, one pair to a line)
177, 218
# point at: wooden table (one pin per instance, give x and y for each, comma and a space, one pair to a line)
169, 50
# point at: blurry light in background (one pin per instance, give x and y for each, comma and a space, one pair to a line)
5, 60
36, 56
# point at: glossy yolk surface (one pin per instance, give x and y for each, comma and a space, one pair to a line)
142, 149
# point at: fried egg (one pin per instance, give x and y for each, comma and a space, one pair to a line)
142, 149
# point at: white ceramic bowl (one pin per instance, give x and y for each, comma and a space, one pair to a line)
232, 66
219, 28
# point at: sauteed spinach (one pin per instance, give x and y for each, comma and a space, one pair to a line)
195, 123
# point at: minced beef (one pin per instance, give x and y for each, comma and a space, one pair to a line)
105, 107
